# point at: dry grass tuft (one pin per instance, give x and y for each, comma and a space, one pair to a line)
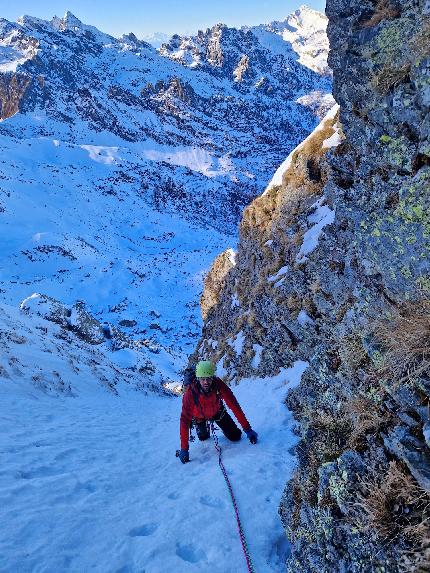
416, 560
304, 179
366, 419
352, 352
405, 338
383, 11
390, 77
397, 508
420, 42
330, 434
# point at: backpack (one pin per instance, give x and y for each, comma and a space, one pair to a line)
188, 376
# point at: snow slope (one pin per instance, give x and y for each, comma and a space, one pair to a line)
91, 483
79, 239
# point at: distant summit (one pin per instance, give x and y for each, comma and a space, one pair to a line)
69, 22
306, 31
156, 39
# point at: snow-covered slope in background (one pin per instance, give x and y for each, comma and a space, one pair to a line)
55, 361
75, 228
124, 171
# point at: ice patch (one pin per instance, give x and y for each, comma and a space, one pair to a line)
237, 342
220, 368
290, 377
335, 139
303, 318
232, 256
282, 271
426, 432
322, 217
294, 374
258, 349
235, 301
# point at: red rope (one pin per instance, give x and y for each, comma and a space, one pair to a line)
230, 489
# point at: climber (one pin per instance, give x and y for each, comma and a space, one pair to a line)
203, 402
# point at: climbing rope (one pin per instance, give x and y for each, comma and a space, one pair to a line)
230, 489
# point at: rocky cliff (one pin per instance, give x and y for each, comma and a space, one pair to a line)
333, 268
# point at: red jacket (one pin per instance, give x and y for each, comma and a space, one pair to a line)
199, 406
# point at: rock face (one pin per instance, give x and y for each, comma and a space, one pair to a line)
215, 281
12, 91
41, 354
255, 294
333, 268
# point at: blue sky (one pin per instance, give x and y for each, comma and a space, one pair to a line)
168, 16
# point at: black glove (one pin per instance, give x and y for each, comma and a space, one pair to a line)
252, 436
183, 455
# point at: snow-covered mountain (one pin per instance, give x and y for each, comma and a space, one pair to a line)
305, 32
156, 40
124, 171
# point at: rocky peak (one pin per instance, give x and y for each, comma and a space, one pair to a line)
32, 22
251, 58
68, 22
6, 27
223, 51
132, 42
214, 52
305, 30
305, 17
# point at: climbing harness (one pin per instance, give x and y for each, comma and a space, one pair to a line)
230, 489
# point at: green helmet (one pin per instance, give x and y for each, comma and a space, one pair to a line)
205, 369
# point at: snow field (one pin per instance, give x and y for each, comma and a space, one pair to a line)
92, 484
124, 258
